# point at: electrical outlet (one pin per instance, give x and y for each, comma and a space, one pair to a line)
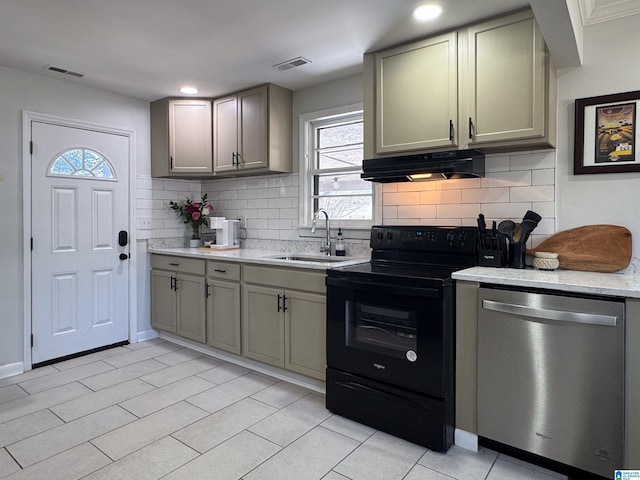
144, 223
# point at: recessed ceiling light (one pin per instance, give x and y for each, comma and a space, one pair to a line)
189, 90
427, 11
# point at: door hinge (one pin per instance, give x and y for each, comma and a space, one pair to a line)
32, 340
31, 147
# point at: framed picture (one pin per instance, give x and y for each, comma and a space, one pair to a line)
607, 134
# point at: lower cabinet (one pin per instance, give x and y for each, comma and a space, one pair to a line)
282, 326
223, 306
178, 293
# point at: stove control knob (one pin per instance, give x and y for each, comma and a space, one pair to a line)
380, 235
389, 236
450, 237
463, 238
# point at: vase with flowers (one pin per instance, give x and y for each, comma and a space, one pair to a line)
195, 214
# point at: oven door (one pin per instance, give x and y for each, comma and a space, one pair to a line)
399, 334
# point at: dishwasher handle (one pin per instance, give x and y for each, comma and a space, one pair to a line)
549, 314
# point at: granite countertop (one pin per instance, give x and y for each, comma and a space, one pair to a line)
612, 284
248, 255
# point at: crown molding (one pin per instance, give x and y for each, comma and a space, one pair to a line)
598, 11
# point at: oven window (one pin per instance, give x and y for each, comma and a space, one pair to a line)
388, 330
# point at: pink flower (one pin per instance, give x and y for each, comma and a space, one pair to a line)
195, 216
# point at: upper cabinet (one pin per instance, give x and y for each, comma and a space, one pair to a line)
181, 137
417, 95
508, 84
252, 131
488, 86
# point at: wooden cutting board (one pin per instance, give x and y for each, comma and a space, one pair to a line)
591, 248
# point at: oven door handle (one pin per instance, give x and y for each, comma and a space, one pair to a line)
383, 288
381, 393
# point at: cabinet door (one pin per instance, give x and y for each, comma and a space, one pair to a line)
163, 301
506, 80
223, 316
417, 95
263, 324
191, 314
253, 128
305, 337
190, 136
225, 133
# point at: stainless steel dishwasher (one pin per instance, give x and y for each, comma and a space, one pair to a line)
551, 376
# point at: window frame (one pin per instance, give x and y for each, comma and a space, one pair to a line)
358, 229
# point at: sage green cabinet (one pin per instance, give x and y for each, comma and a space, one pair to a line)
416, 95
508, 84
252, 131
284, 318
178, 293
181, 136
488, 86
223, 306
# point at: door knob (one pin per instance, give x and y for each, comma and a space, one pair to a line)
124, 256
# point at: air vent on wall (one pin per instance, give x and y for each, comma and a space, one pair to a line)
64, 71
293, 63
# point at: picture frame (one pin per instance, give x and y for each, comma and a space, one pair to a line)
607, 134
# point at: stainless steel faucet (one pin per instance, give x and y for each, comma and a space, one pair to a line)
325, 247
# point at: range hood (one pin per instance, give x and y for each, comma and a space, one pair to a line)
426, 166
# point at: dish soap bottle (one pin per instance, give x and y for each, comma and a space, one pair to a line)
340, 250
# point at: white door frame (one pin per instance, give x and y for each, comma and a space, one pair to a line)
27, 118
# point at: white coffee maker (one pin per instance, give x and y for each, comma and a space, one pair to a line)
226, 233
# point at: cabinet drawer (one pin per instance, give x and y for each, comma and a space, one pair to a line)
178, 264
223, 270
291, 278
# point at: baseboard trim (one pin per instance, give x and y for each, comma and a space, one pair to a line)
146, 335
466, 440
11, 369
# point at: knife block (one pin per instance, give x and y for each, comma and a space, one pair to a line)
492, 258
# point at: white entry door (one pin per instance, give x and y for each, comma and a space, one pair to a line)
80, 272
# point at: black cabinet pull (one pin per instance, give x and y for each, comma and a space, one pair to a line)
279, 307
171, 161
451, 130
238, 161
207, 292
219, 270
284, 303
470, 128
173, 283
174, 264
233, 159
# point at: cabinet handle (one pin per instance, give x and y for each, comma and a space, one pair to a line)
284, 303
451, 130
207, 292
238, 157
174, 264
173, 283
470, 128
233, 159
171, 161
279, 307
219, 270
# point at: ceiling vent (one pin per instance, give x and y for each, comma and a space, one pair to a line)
293, 63
64, 71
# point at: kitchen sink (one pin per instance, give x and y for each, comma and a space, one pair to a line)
309, 258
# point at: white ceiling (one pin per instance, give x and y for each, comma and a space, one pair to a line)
150, 48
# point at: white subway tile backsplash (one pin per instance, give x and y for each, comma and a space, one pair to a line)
514, 183
538, 193
436, 197
470, 210
417, 211
546, 176
496, 163
506, 179
485, 195
404, 198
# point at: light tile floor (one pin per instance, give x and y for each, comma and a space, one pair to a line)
156, 410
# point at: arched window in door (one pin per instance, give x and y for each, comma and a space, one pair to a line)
83, 163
